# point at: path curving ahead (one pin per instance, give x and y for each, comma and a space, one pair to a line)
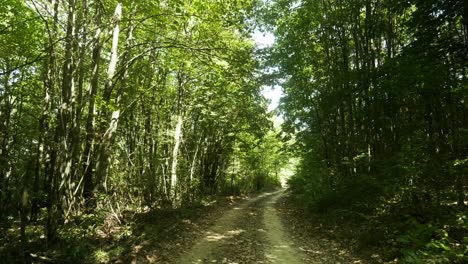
250, 233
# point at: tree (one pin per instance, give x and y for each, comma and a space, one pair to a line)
122, 105
375, 94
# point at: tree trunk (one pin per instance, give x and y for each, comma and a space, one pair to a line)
107, 135
175, 151
66, 108
88, 166
47, 145
5, 116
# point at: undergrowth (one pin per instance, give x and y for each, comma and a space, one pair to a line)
398, 230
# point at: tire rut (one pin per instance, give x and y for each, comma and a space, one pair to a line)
281, 248
250, 233
237, 237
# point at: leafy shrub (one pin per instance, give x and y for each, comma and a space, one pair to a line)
434, 242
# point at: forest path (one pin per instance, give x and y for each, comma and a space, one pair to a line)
249, 233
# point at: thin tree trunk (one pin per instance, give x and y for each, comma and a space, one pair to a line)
5, 116
175, 151
66, 108
104, 155
77, 100
47, 146
194, 161
88, 183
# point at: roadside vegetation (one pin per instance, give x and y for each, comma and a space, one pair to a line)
376, 96
112, 109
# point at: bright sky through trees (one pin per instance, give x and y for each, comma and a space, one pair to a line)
263, 40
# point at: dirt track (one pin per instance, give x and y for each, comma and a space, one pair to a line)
250, 233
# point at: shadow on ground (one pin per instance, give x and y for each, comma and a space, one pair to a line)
155, 236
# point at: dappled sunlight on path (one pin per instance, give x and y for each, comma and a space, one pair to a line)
237, 237
256, 232
281, 249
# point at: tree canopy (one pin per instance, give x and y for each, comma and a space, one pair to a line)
116, 106
376, 92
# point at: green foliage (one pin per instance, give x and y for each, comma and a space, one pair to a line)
90, 103
433, 242
374, 97
258, 163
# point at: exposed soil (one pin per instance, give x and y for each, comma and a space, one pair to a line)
281, 249
236, 237
254, 232
234, 230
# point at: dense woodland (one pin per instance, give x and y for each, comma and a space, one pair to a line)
114, 106
376, 94
109, 107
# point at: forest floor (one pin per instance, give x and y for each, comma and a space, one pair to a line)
265, 228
